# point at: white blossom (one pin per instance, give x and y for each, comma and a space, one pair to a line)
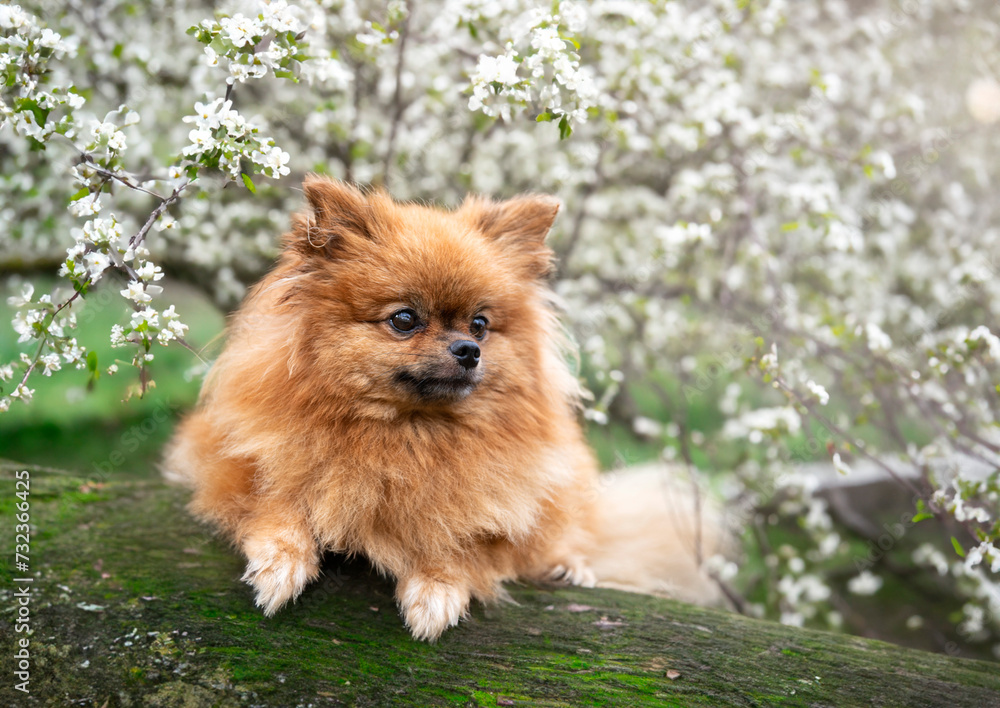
983, 334
878, 341
96, 263
22, 393
865, 583
839, 465
50, 362
118, 336
27, 291
274, 160
821, 395
147, 316
87, 206
136, 291
148, 271
240, 29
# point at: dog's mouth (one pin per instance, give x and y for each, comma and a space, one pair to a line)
439, 388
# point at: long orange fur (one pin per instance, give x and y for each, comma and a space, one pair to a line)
307, 439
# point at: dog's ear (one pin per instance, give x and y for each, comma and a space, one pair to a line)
336, 213
520, 225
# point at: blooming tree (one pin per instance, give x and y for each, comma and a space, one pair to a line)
785, 208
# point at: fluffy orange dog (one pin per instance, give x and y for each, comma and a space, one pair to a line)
397, 387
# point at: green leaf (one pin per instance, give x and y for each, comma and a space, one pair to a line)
543, 117
566, 38
790, 226
869, 171
29, 104
80, 195
565, 129
922, 515
92, 362
958, 547
249, 183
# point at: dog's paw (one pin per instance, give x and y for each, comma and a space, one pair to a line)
430, 606
574, 571
278, 569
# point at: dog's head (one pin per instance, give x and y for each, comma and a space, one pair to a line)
406, 306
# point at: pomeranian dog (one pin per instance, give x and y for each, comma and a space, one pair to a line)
399, 387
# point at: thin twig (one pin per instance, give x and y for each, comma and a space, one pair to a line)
45, 337
397, 100
86, 157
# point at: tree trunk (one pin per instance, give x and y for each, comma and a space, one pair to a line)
134, 604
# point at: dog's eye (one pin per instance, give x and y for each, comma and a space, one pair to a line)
478, 327
404, 320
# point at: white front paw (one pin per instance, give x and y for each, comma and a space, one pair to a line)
429, 606
574, 572
278, 570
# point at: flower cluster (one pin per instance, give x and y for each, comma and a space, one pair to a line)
220, 139
540, 69
26, 48
223, 139
43, 321
251, 47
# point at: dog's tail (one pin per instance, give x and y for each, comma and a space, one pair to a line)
656, 533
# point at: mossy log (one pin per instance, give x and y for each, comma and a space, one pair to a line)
134, 604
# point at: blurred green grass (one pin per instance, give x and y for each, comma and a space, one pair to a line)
71, 426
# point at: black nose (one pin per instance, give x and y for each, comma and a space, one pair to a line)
466, 352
